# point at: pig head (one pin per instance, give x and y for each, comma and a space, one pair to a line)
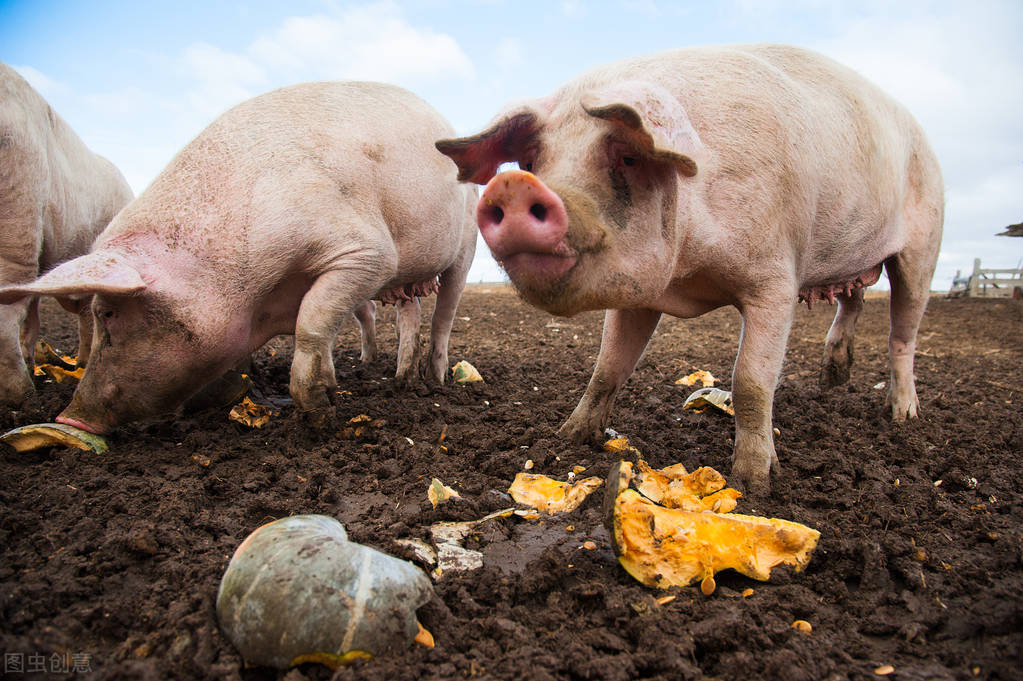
149, 354
680, 182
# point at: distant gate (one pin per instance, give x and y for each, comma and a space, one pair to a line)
987, 283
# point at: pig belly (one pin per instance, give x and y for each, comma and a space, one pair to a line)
841, 286
402, 292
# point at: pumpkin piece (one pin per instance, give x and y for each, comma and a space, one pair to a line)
549, 495
663, 547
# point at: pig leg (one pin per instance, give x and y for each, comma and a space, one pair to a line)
838, 348
408, 317
333, 296
765, 331
15, 380
909, 291
625, 337
366, 317
452, 283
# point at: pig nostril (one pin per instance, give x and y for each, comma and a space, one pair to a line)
538, 211
493, 214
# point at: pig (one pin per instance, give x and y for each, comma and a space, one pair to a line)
283, 216
56, 196
754, 176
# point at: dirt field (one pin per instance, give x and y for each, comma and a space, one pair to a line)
113, 561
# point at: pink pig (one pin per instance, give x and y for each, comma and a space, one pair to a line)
56, 196
283, 217
680, 182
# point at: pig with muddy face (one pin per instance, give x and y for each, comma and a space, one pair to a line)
753, 176
56, 196
283, 217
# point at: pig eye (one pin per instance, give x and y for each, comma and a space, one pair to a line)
528, 167
629, 160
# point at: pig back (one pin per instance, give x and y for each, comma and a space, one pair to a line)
55, 194
306, 172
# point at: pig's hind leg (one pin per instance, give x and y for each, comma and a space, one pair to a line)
407, 318
333, 296
449, 292
838, 348
910, 283
366, 317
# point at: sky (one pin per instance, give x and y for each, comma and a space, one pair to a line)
138, 80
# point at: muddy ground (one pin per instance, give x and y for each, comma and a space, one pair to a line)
111, 562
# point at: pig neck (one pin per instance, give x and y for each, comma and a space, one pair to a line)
704, 276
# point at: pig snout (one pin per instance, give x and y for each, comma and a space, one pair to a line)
525, 225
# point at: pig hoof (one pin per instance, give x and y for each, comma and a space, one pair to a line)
833, 374
579, 434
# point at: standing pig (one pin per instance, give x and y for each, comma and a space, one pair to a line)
282, 217
56, 196
748, 175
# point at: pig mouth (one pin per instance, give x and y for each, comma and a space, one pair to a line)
537, 269
81, 425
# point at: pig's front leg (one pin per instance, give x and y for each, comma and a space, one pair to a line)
333, 296
625, 337
765, 331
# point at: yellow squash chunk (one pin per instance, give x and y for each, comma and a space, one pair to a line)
675, 488
705, 378
38, 435
663, 547
549, 495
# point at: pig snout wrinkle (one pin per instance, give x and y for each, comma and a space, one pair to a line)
519, 214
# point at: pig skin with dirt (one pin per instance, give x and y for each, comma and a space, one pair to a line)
676, 183
283, 217
56, 196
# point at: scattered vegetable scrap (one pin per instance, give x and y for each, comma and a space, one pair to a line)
463, 372
665, 547
45, 354
37, 435
251, 414
710, 397
360, 425
439, 492
549, 495
705, 378
58, 373
619, 444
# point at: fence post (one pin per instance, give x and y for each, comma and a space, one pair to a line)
975, 279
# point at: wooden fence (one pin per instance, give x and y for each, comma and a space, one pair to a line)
988, 283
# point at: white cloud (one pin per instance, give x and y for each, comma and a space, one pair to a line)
43, 84
374, 42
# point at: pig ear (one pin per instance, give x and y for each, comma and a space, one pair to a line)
654, 119
478, 157
99, 272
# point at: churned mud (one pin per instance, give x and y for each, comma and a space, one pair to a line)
110, 563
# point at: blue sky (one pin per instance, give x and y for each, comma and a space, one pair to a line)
138, 80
